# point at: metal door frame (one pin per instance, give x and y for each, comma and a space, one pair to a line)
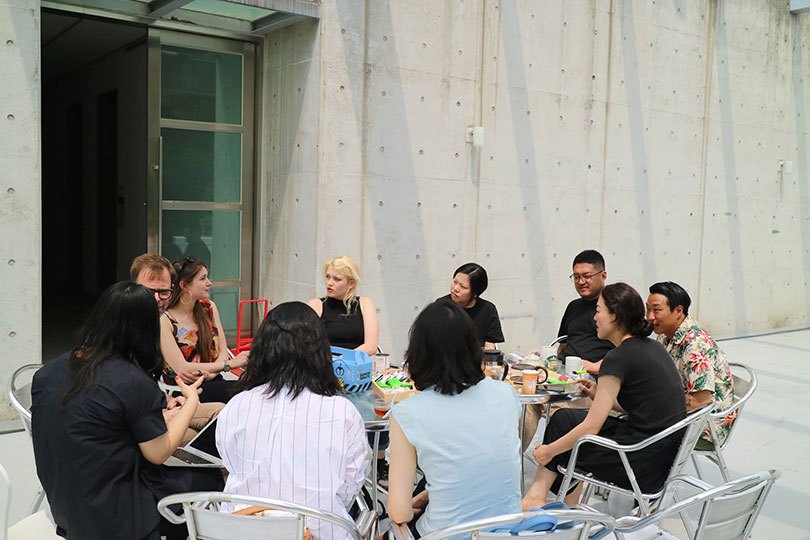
155, 203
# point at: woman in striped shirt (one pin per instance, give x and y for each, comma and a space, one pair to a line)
290, 434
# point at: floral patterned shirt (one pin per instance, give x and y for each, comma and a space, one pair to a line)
703, 366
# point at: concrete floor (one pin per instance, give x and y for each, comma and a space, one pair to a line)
774, 432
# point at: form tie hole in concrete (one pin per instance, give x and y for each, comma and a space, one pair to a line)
456, 154
342, 88
340, 201
12, 262
340, 145
383, 93
379, 257
455, 205
10, 117
422, 98
382, 149
419, 205
459, 52
12, 334
424, 45
10, 191
380, 203
417, 256
421, 151
385, 38
458, 104
10, 42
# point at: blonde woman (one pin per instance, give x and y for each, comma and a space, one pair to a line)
350, 320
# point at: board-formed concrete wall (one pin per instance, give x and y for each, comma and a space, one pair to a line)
20, 217
652, 131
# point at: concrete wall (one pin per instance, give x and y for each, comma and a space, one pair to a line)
20, 218
649, 131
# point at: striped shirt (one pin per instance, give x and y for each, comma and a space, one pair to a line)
311, 450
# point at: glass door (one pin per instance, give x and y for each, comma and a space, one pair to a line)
201, 159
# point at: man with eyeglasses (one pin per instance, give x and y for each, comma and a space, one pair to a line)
577, 323
155, 273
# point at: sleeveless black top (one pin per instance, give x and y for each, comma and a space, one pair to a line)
344, 330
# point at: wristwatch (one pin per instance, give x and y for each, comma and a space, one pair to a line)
226, 368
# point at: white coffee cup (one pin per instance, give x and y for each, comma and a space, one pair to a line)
572, 364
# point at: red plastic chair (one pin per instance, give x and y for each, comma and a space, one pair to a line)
244, 343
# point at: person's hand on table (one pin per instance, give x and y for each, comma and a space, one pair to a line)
419, 502
591, 367
588, 387
543, 454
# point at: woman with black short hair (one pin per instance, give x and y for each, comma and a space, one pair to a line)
639, 378
469, 283
98, 427
290, 433
461, 429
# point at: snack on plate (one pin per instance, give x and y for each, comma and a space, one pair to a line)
393, 384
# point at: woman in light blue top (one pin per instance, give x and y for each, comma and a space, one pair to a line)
461, 429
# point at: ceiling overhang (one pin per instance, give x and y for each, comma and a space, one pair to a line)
240, 18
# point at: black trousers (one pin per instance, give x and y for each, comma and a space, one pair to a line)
650, 465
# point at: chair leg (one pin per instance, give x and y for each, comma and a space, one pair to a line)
587, 492
37, 502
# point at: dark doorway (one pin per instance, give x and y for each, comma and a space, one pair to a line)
93, 165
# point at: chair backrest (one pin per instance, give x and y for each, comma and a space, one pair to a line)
19, 392
693, 426
205, 522
583, 524
5, 502
744, 388
727, 512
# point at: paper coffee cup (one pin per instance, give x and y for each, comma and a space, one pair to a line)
530, 381
572, 364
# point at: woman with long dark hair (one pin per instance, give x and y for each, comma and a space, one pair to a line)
98, 426
469, 283
290, 434
461, 429
191, 337
637, 377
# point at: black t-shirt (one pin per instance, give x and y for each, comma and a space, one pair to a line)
485, 316
343, 329
651, 392
578, 324
99, 485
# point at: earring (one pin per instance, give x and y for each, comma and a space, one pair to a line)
190, 298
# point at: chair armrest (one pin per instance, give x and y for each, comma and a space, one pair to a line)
560, 339
365, 521
400, 531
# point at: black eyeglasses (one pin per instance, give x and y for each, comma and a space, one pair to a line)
163, 294
583, 277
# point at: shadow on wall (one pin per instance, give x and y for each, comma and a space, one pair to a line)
729, 165
287, 96
389, 184
524, 137
801, 146
638, 148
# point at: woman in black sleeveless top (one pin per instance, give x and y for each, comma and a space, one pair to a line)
350, 320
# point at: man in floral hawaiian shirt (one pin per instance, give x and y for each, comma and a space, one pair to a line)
702, 364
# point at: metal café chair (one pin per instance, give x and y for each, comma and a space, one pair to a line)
205, 522
19, 394
33, 527
692, 426
744, 387
727, 512
581, 524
